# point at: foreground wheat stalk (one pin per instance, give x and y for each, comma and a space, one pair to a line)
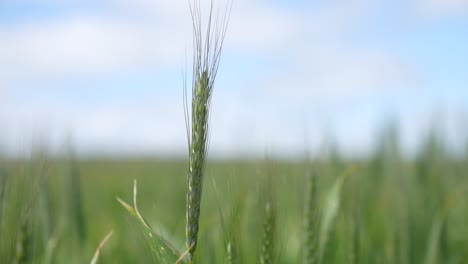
207, 50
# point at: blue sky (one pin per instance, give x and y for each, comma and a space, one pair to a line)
109, 74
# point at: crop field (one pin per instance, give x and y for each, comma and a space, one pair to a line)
385, 209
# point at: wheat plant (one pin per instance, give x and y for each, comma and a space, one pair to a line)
311, 222
268, 238
207, 52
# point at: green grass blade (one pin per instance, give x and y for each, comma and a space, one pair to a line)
433, 242
161, 250
330, 211
101, 245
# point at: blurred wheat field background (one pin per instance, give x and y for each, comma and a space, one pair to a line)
386, 209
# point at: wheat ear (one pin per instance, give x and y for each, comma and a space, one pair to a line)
207, 53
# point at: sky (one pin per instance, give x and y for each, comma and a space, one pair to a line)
294, 75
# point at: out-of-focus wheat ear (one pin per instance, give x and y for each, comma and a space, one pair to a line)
356, 232
3, 188
45, 209
52, 244
268, 238
207, 46
269, 223
24, 243
77, 203
229, 237
311, 222
73, 206
231, 254
99, 248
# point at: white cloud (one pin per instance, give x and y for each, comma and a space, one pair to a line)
85, 45
257, 27
441, 8
337, 74
128, 35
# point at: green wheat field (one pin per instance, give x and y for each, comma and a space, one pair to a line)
385, 209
